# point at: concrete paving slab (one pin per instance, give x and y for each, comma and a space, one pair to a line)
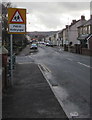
30, 96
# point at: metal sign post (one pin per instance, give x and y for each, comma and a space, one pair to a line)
11, 63
16, 25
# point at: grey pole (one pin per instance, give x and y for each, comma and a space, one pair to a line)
11, 53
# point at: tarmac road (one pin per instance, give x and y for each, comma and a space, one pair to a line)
69, 75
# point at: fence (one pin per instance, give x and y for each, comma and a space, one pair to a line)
79, 50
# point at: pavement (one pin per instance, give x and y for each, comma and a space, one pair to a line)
30, 96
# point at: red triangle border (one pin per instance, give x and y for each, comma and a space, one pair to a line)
14, 15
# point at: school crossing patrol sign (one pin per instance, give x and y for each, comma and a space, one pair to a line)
16, 21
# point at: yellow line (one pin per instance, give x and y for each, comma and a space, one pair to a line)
46, 68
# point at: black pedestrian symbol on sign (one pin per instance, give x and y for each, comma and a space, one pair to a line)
17, 18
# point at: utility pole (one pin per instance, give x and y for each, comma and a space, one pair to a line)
11, 61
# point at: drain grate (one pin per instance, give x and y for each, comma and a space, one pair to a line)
46, 70
53, 83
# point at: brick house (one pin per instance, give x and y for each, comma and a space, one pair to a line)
65, 35
85, 36
84, 31
73, 30
70, 32
54, 39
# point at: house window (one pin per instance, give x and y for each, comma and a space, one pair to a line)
85, 30
78, 31
89, 29
81, 30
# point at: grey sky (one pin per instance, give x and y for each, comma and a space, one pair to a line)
44, 16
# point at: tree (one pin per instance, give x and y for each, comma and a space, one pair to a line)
5, 35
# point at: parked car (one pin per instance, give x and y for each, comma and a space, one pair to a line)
49, 44
42, 42
33, 46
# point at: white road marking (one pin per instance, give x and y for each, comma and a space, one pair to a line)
69, 59
74, 114
56, 52
25, 63
0, 71
84, 64
79, 63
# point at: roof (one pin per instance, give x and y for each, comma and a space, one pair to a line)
86, 23
83, 37
74, 23
89, 37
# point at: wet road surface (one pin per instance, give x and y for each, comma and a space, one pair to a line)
69, 75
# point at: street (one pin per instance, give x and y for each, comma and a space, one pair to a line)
46, 53
67, 73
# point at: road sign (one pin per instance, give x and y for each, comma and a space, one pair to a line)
16, 21
17, 18
16, 25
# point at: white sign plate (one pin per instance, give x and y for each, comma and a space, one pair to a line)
17, 27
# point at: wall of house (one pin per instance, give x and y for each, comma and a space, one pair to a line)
73, 32
46, 39
90, 43
65, 36
53, 40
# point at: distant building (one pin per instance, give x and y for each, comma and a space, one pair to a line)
53, 38
65, 35
41, 35
47, 38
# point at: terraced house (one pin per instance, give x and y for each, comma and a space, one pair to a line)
73, 30
85, 37
70, 33
85, 33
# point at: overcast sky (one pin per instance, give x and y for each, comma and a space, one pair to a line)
52, 16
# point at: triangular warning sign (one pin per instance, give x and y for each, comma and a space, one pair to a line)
17, 18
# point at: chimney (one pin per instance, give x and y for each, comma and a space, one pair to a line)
73, 21
66, 26
82, 17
